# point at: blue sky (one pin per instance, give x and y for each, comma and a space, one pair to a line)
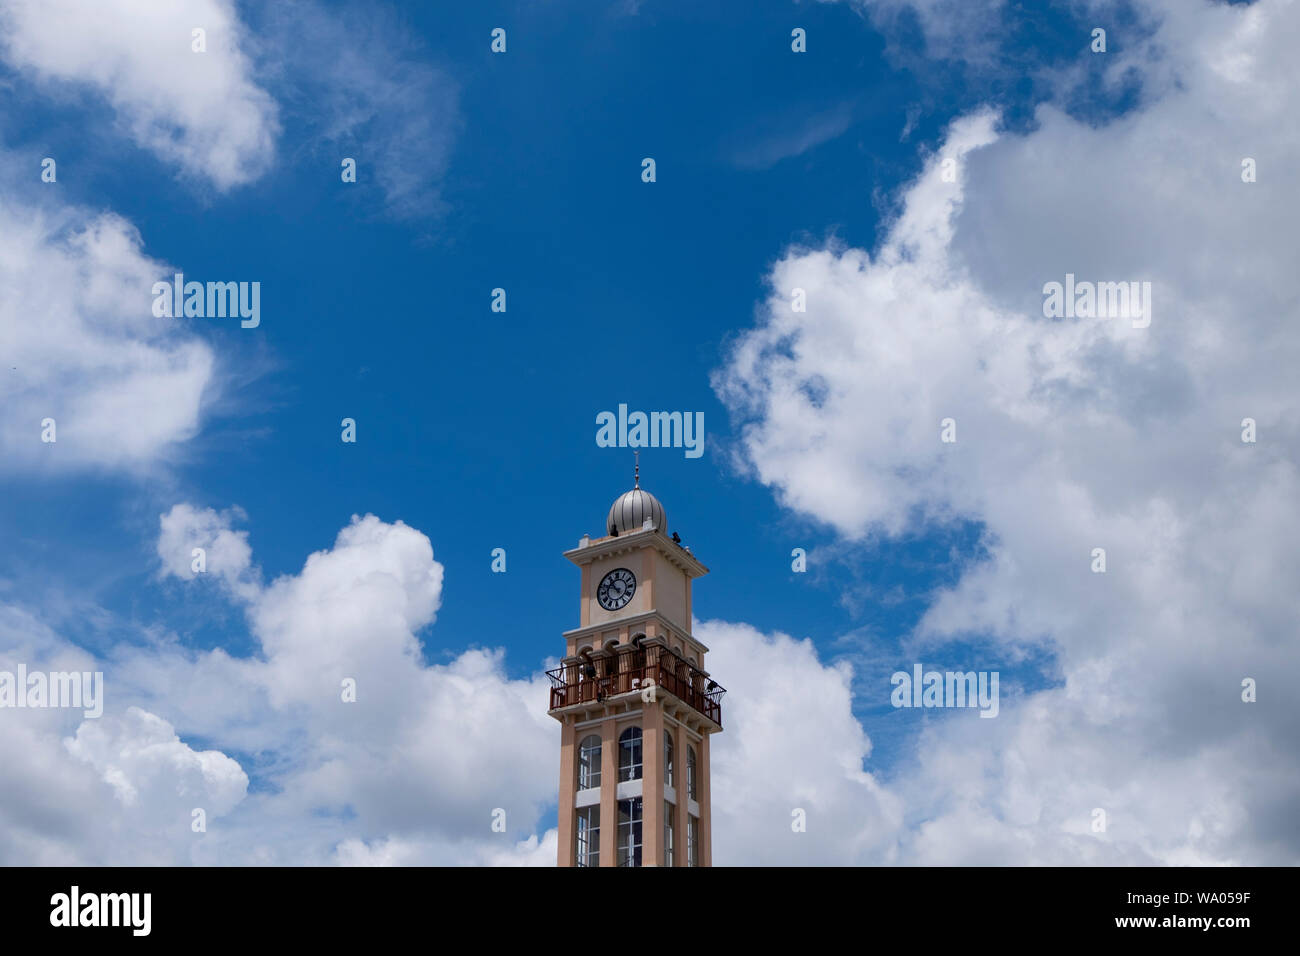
477, 429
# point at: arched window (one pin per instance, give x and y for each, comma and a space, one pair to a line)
589, 763
629, 754
690, 774
668, 758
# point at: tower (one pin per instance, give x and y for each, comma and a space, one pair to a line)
634, 701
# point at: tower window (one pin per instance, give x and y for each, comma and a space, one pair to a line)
668, 833
629, 754
668, 758
692, 841
588, 834
629, 832
691, 776
589, 763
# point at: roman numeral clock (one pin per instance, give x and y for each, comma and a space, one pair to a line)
616, 589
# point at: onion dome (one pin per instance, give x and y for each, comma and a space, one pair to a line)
630, 510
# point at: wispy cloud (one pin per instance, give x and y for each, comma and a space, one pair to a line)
791, 135
357, 81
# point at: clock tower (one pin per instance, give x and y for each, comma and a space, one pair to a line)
634, 701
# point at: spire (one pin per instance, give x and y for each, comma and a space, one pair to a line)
636, 478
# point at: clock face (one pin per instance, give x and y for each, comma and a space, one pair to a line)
616, 589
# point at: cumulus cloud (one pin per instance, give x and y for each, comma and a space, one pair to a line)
226, 552
83, 348
781, 700
200, 111
532, 852
139, 755
1074, 434
435, 746
412, 771
120, 788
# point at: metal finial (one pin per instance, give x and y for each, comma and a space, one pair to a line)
637, 476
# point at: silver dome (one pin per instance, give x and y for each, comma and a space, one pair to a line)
629, 511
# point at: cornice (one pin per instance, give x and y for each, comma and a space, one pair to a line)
612, 545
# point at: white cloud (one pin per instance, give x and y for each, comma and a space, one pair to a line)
411, 772
98, 791
414, 771
781, 700
200, 111
951, 27
424, 747
152, 772
531, 852
365, 88
350, 77
82, 346
1072, 434
227, 553
1075, 434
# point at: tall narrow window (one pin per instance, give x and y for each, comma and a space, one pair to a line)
629, 832
589, 763
629, 754
668, 758
691, 775
692, 841
588, 834
668, 833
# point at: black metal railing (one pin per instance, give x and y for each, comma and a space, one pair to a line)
632, 668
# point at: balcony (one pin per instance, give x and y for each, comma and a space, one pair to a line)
629, 668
